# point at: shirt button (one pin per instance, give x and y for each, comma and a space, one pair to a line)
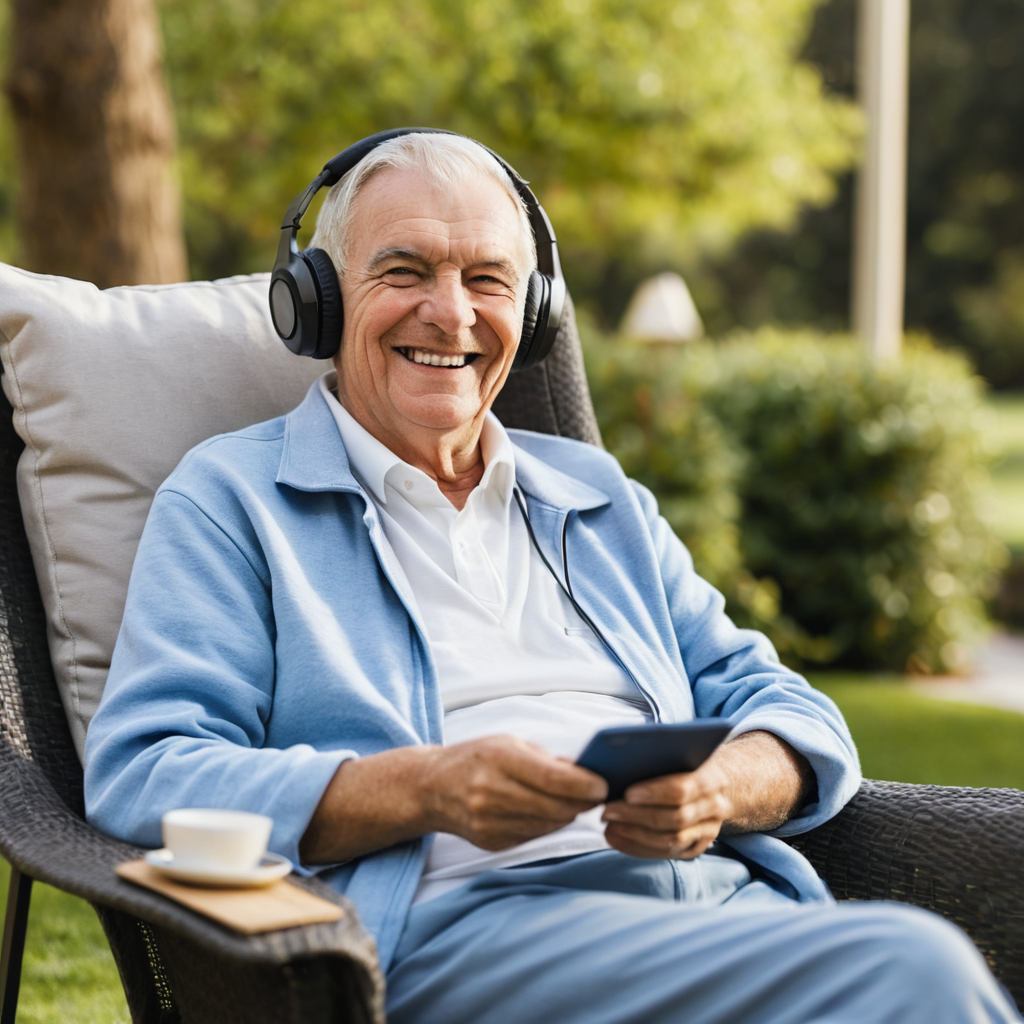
408, 485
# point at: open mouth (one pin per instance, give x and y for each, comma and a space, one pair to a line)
454, 362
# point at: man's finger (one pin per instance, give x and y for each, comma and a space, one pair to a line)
636, 843
512, 798
669, 843
675, 790
551, 775
668, 819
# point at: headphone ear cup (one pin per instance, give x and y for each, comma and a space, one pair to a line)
538, 293
328, 293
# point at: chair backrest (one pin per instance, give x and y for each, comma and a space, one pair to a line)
33, 726
553, 398
550, 398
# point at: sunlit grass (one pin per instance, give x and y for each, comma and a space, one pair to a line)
907, 737
69, 975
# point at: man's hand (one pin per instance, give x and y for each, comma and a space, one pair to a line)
749, 784
499, 791
496, 792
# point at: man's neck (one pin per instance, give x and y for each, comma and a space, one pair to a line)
453, 458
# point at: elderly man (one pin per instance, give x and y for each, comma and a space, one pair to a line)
391, 625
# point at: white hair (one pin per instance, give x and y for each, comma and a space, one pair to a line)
446, 160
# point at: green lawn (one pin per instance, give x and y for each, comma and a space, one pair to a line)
1007, 439
70, 975
906, 737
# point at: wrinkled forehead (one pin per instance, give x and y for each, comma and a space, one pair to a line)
473, 218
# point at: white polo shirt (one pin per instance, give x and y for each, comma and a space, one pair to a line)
512, 654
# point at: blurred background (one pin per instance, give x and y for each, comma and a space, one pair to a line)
867, 514
716, 137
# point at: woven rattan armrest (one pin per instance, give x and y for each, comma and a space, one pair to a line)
959, 852
48, 842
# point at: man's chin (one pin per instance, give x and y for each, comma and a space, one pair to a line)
439, 412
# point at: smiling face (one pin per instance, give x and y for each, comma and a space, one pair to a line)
433, 296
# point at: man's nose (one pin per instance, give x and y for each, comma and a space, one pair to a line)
448, 305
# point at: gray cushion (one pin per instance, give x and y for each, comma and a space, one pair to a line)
109, 390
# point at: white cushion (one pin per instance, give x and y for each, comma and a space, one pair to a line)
110, 389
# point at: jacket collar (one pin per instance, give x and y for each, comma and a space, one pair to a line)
552, 486
314, 459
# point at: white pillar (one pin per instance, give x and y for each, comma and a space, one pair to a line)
880, 230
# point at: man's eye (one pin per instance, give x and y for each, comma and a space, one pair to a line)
407, 274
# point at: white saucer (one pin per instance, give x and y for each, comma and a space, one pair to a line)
270, 869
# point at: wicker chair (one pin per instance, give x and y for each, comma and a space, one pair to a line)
956, 851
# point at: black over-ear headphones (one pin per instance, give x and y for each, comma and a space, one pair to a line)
305, 297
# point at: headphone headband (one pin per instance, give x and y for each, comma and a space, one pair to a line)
305, 299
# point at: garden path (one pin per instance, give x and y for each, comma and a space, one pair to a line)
997, 679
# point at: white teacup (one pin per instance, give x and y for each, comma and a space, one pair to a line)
203, 839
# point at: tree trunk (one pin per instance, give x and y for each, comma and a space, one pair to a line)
99, 197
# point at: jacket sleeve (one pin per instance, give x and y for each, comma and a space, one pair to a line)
736, 673
183, 717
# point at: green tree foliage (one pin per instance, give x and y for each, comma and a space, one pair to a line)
965, 195
655, 129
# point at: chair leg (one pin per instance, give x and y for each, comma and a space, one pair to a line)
16, 924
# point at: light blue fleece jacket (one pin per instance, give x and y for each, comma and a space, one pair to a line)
266, 639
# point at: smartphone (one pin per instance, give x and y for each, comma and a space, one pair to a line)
632, 753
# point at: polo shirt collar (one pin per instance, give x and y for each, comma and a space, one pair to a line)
374, 464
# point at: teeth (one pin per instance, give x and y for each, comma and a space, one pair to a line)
417, 355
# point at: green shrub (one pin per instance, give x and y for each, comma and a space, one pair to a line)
653, 420
835, 501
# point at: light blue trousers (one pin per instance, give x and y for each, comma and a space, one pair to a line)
609, 939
